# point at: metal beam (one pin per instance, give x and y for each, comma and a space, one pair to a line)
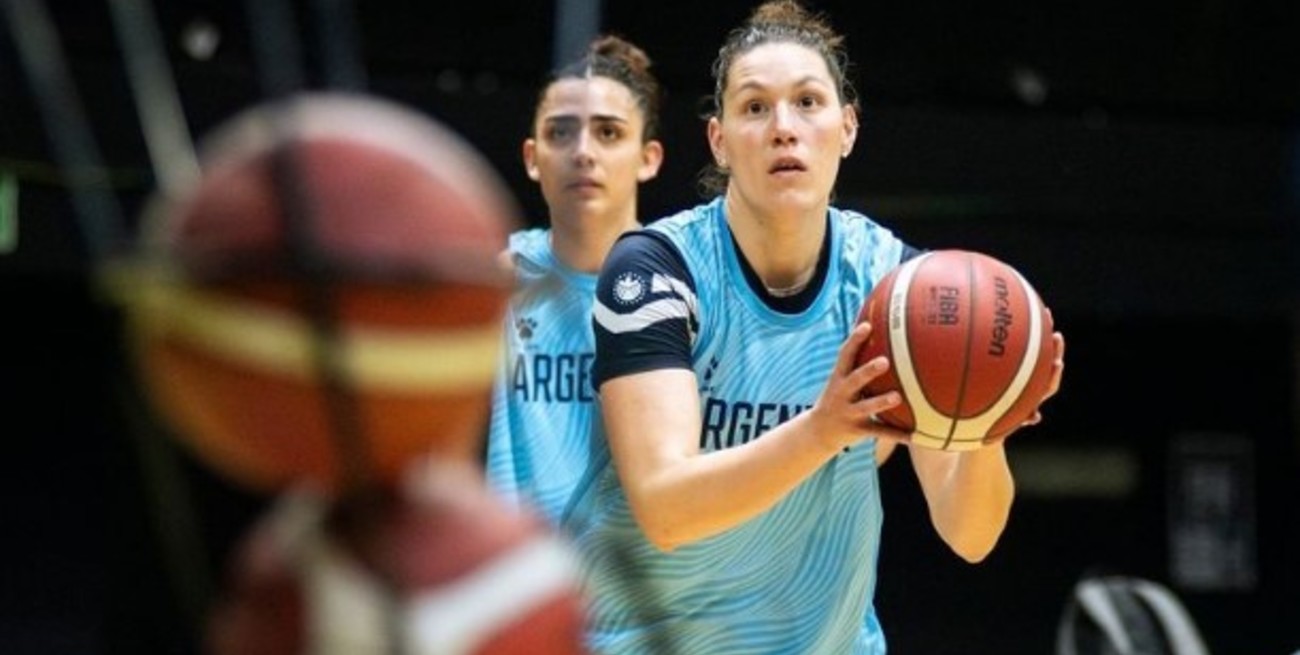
576, 23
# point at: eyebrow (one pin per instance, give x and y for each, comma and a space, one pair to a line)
803, 81
571, 118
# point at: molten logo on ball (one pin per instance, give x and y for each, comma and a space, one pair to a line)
1001, 317
969, 368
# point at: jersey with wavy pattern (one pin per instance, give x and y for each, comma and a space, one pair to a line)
798, 578
542, 399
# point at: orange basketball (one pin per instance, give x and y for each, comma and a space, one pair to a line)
969, 343
325, 301
440, 566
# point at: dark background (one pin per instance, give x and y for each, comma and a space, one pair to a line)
1137, 161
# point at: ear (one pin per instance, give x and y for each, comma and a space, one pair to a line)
850, 130
530, 159
652, 156
715, 141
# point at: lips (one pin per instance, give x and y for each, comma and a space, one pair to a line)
786, 165
584, 183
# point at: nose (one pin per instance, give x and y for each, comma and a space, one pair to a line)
583, 149
783, 118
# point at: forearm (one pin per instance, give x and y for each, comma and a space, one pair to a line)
969, 496
680, 494
698, 495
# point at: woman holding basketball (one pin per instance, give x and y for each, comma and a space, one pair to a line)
740, 484
593, 142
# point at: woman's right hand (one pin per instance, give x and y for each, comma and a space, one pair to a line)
844, 414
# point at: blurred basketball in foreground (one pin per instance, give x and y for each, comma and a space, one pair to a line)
437, 566
970, 346
327, 295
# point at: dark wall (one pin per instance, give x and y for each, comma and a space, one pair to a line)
1131, 389
1150, 195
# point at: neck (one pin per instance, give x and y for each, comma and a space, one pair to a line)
782, 249
800, 284
582, 244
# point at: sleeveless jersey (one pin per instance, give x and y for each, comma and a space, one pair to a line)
798, 578
542, 398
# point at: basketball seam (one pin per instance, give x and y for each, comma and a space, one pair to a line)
1014, 388
904, 370
966, 350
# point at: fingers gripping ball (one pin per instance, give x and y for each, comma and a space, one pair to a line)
970, 346
332, 242
443, 568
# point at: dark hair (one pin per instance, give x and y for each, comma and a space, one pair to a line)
618, 59
776, 21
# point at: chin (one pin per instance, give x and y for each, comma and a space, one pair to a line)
800, 200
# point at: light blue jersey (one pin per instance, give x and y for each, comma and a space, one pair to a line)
542, 399
798, 578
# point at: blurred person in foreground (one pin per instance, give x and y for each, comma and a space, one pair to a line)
317, 319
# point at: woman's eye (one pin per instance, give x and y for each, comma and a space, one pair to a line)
558, 134
609, 134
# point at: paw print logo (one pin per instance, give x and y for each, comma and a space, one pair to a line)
707, 386
713, 368
525, 327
